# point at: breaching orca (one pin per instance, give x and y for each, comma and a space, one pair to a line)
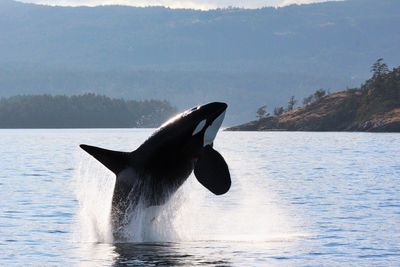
154, 171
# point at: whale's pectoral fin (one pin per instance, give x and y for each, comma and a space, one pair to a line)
212, 171
114, 160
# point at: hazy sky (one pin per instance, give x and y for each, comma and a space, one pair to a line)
197, 4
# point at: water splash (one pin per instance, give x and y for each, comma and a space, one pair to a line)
93, 187
246, 213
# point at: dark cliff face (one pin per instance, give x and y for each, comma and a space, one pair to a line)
335, 112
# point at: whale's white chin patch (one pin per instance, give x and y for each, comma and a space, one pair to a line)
212, 130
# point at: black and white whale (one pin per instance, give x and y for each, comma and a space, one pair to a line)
155, 170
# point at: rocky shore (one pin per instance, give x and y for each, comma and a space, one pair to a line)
334, 112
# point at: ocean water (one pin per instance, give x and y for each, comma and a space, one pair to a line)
297, 199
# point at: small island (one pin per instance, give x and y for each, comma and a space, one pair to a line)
373, 107
81, 111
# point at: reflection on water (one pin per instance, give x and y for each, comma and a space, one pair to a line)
145, 254
201, 253
150, 254
161, 254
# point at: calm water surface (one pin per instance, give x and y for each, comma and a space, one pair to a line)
297, 199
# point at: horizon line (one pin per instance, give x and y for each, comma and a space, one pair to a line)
210, 8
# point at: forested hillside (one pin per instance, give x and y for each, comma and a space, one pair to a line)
82, 111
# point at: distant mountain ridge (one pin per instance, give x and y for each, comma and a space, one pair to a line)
113, 37
243, 57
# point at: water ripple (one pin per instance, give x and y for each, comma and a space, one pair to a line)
297, 199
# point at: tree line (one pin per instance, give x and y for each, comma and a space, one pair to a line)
81, 111
314, 97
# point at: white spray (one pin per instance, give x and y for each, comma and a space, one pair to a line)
248, 212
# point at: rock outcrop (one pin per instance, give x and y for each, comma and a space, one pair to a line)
334, 112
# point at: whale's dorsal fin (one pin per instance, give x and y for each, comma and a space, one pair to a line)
212, 171
115, 161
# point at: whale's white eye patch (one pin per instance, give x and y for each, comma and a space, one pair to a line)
199, 127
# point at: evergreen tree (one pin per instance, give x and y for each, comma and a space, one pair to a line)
320, 93
262, 112
379, 68
279, 111
292, 102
